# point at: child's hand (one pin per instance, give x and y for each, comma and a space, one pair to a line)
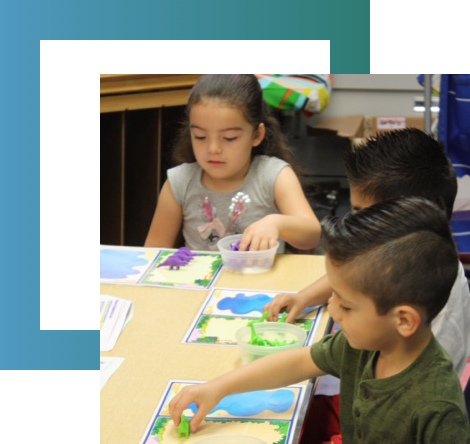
205, 396
292, 303
260, 235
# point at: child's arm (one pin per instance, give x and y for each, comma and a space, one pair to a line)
297, 223
166, 222
317, 293
273, 371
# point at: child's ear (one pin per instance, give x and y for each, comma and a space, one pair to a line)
407, 320
259, 134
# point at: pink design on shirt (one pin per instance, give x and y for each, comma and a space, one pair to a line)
214, 229
206, 207
236, 210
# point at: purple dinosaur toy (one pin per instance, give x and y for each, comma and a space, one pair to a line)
186, 251
186, 254
182, 257
236, 246
174, 261
179, 258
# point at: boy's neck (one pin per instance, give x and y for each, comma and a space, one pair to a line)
401, 354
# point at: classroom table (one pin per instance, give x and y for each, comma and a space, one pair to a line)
152, 347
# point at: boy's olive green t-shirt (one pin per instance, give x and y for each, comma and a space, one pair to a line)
422, 404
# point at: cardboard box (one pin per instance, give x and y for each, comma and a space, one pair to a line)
374, 125
350, 127
359, 126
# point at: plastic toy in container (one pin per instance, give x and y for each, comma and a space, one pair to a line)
247, 262
259, 339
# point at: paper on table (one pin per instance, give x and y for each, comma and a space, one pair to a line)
115, 313
269, 415
107, 367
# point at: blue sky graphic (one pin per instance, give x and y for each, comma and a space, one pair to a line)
253, 403
243, 304
117, 264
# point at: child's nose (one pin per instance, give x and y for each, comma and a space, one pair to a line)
214, 147
333, 309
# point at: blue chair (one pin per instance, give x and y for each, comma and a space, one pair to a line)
454, 132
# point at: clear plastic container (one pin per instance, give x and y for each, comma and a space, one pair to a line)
231, 439
247, 262
271, 331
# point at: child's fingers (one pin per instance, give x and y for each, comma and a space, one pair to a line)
198, 417
254, 244
292, 315
267, 308
264, 244
175, 412
245, 242
273, 316
274, 313
178, 404
274, 308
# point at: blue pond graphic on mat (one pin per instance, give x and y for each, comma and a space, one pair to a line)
243, 304
307, 311
253, 403
115, 264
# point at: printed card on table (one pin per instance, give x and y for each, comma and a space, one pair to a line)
108, 365
198, 274
152, 267
227, 310
115, 313
125, 265
269, 415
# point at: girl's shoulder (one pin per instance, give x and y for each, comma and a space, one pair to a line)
268, 165
184, 168
184, 172
264, 161
181, 177
264, 172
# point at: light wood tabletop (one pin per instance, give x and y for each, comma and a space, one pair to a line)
152, 348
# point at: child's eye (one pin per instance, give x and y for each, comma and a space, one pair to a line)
199, 137
344, 308
230, 139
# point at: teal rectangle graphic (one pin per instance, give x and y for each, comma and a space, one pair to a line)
23, 25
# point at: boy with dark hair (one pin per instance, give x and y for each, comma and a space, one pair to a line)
397, 164
402, 163
397, 383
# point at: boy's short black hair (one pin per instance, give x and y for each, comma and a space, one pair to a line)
402, 163
397, 252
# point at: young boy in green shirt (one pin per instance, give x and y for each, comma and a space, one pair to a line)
391, 267
395, 164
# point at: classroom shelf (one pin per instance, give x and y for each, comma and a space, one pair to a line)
139, 119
